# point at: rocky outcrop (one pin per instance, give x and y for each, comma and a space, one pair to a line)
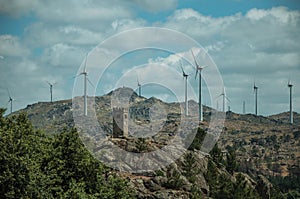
172, 181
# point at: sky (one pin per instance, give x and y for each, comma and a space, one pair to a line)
248, 40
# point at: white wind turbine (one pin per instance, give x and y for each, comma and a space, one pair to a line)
10, 100
290, 85
185, 97
139, 87
51, 89
85, 80
199, 70
224, 98
255, 92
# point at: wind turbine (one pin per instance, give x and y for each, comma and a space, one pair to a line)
224, 99
199, 69
85, 80
255, 91
51, 88
140, 87
10, 100
185, 97
290, 85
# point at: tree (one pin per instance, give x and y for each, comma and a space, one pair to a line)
216, 154
231, 163
211, 176
34, 165
189, 167
198, 140
243, 190
21, 151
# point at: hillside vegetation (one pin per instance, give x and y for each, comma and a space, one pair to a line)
255, 154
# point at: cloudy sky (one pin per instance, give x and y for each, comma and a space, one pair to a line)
248, 40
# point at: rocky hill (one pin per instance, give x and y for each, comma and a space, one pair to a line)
264, 146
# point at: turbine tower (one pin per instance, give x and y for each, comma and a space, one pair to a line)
85, 80
244, 107
199, 70
140, 87
10, 100
51, 88
255, 92
185, 76
290, 85
224, 98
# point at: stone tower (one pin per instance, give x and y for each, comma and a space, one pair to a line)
120, 122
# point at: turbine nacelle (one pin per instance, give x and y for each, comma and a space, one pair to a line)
51, 84
185, 75
290, 83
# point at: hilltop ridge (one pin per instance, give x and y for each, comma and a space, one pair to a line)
263, 145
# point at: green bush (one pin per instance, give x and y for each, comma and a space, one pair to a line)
34, 165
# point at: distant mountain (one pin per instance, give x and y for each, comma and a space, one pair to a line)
267, 140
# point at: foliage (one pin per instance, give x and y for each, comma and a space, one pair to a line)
287, 183
159, 173
211, 175
33, 165
174, 180
141, 145
221, 186
189, 167
196, 193
244, 190
198, 140
216, 155
231, 163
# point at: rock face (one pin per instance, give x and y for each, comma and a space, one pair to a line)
171, 181
254, 137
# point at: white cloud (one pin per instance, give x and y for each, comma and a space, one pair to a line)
280, 14
79, 12
17, 8
263, 44
127, 24
11, 46
41, 35
63, 55
156, 5
197, 25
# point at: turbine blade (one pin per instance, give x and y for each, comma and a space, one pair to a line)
182, 70
196, 74
84, 69
196, 64
90, 82
8, 92
227, 99
77, 75
219, 96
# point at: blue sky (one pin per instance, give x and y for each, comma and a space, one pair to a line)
249, 40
